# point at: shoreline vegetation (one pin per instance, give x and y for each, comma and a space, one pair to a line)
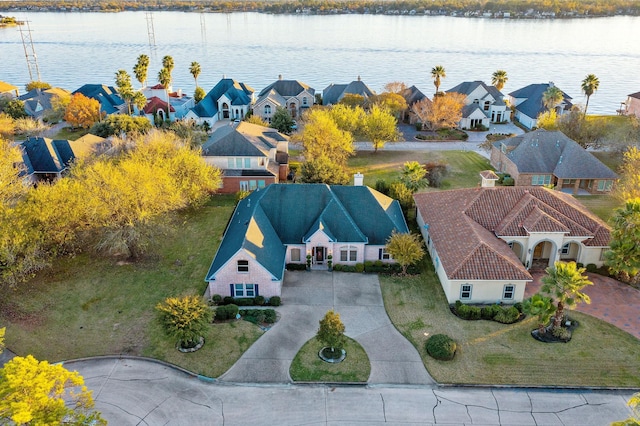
496, 9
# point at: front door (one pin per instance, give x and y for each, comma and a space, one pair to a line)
319, 254
537, 251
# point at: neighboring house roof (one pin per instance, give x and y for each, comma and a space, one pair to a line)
489, 174
412, 95
335, 92
243, 140
110, 100
532, 106
287, 88
551, 152
36, 101
265, 221
465, 224
491, 94
6, 88
635, 95
238, 93
154, 104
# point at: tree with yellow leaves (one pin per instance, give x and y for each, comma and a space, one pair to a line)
82, 111
628, 187
185, 318
406, 249
331, 334
379, 127
36, 392
445, 111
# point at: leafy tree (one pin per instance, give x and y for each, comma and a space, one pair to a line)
282, 121
59, 104
634, 420
321, 137
623, 258
406, 249
199, 94
15, 109
548, 120
395, 87
628, 187
347, 118
29, 126
444, 112
379, 126
7, 126
331, 332
117, 124
189, 132
564, 282
37, 85
195, 70
185, 318
323, 170
438, 73
400, 192
499, 79
552, 97
257, 120
352, 100
125, 89
82, 111
141, 69
414, 176
36, 392
589, 86
422, 109
392, 102
540, 306
12, 187
2, 331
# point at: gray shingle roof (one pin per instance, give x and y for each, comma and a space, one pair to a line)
412, 95
287, 213
287, 88
245, 140
335, 92
533, 106
467, 87
551, 152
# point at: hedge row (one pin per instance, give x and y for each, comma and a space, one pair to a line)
259, 316
504, 315
218, 300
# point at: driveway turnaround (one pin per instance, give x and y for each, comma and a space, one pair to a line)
306, 297
143, 392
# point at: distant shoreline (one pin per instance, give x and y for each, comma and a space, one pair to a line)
498, 9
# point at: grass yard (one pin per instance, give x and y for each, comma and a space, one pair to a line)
599, 354
85, 306
71, 134
601, 205
308, 367
465, 165
613, 160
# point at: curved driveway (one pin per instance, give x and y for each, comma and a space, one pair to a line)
307, 296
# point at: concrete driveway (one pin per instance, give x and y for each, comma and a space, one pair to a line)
307, 296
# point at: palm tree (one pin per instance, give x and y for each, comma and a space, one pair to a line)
125, 89
589, 87
164, 77
194, 69
167, 62
499, 79
542, 307
552, 97
563, 283
141, 69
437, 73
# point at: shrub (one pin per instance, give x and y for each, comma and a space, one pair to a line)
226, 312
488, 312
475, 312
518, 306
561, 333
216, 298
359, 267
441, 346
508, 181
258, 300
436, 171
275, 301
269, 316
463, 311
382, 186
458, 304
580, 265
507, 316
337, 267
591, 267
227, 300
296, 267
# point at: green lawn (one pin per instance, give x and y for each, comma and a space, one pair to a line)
68, 133
85, 305
599, 354
613, 160
601, 205
465, 166
308, 367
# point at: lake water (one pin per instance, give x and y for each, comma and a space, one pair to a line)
77, 48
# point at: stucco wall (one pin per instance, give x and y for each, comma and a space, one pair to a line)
487, 291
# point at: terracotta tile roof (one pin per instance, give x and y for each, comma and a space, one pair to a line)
465, 224
154, 104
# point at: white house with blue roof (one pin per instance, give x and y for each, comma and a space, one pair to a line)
528, 104
227, 100
285, 223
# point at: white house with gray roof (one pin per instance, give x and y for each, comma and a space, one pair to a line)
528, 104
292, 95
550, 158
286, 223
484, 105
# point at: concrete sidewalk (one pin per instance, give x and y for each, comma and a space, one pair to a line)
358, 300
142, 392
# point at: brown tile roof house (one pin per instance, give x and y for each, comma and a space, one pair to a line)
546, 157
488, 239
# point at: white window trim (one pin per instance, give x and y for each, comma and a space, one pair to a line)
566, 248
299, 254
349, 249
470, 291
504, 291
244, 291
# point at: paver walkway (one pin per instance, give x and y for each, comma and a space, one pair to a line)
611, 301
307, 297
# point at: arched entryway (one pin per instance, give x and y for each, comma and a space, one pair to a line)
225, 110
570, 252
293, 109
542, 255
517, 248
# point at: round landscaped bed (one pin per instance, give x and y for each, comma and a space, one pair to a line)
307, 366
563, 335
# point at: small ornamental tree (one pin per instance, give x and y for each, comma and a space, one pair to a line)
414, 176
331, 333
185, 318
406, 249
282, 121
564, 282
37, 393
542, 307
624, 257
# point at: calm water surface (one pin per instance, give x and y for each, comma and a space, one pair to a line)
78, 48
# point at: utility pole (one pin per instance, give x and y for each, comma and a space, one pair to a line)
29, 51
150, 30
203, 28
